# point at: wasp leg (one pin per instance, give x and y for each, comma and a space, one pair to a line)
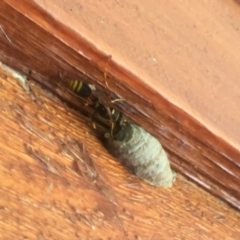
109, 112
101, 111
112, 128
92, 119
111, 115
117, 100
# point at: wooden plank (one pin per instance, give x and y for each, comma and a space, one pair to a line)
199, 147
57, 201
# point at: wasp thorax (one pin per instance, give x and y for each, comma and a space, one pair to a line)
142, 154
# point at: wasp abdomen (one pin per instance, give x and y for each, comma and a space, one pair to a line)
80, 88
142, 154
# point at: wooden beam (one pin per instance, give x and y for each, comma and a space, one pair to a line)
35, 38
45, 196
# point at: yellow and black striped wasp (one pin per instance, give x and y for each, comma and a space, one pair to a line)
108, 115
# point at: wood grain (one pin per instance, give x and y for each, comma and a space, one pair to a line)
53, 39
38, 203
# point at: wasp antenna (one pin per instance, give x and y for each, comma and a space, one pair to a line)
105, 71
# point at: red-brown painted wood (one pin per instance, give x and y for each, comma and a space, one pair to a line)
48, 39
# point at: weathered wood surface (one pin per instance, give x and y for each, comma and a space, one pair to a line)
57, 201
194, 54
